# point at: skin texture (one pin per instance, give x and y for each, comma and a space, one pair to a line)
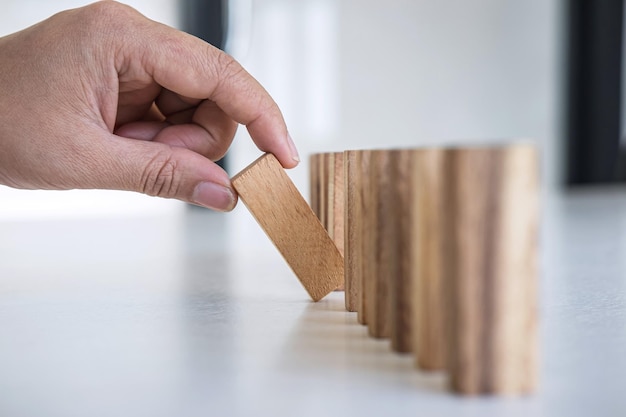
102, 97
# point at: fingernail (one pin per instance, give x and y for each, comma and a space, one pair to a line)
214, 196
292, 148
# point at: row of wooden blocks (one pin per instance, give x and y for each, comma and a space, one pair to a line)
440, 254
440, 251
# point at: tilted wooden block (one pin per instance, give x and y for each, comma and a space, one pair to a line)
490, 279
282, 212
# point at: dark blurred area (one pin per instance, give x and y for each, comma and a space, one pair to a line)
595, 145
208, 20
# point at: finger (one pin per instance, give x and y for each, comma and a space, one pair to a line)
220, 127
194, 138
170, 103
188, 136
155, 169
193, 68
141, 130
138, 104
206, 130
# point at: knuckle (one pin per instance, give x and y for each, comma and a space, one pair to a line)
230, 75
161, 176
106, 9
227, 63
107, 18
227, 68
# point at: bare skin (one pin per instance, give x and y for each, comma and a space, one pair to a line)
102, 97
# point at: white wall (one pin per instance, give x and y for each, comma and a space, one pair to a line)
367, 73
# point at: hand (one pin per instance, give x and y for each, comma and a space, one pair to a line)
102, 97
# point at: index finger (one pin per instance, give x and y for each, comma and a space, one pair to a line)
193, 68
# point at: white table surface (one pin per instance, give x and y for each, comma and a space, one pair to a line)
198, 315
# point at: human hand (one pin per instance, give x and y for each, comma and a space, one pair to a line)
102, 97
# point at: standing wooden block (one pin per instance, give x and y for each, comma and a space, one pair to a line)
282, 212
400, 217
491, 248
314, 183
328, 195
352, 228
329, 177
427, 178
360, 243
380, 241
338, 201
334, 196
323, 189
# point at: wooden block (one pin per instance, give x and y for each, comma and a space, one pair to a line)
327, 182
338, 201
400, 213
282, 212
427, 178
490, 241
330, 193
362, 241
314, 182
323, 200
380, 246
352, 228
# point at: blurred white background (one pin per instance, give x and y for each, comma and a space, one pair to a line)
363, 74
359, 74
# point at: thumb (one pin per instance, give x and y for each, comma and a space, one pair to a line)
161, 170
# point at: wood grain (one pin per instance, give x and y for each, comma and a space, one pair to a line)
427, 180
352, 229
361, 243
490, 241
401, 302
329, 178
335, 201
323, 189
327, 195
338, 201
282, 212
380, 245
314, 183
